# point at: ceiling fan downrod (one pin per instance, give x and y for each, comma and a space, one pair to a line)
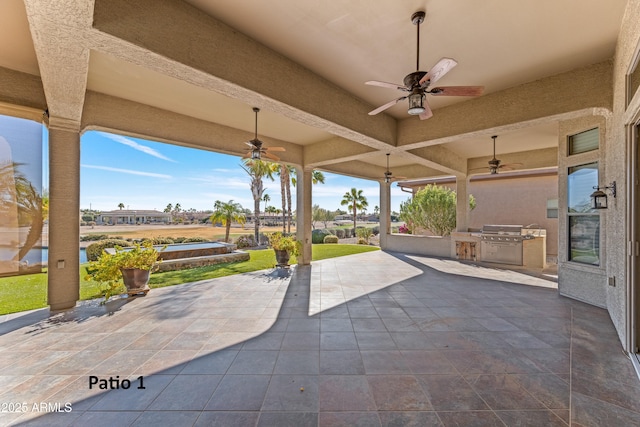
256, 110
418, 18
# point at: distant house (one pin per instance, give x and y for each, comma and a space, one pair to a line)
125, 216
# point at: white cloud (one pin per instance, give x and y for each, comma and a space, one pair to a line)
128, 171
131, 143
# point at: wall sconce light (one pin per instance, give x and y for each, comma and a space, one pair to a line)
599, 197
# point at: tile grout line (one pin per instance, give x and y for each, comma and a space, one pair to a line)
571, 368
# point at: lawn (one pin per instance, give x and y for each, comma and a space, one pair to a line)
28, 292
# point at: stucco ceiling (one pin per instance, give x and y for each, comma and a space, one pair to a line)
498, 44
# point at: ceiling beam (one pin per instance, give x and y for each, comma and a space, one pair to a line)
118, 115
440, 158
174, 38
63, 58
532, 159
334, 150
581, 89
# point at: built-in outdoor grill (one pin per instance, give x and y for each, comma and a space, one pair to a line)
501, 244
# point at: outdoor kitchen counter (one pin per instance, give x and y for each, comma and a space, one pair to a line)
466, 246
534, 248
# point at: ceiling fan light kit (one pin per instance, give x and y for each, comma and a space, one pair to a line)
416, 103
418, 83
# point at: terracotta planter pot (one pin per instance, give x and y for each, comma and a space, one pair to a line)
136, 280
282, 258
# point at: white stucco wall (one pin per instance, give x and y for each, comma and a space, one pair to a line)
420, 245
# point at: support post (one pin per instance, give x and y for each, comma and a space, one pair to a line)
462, 203
304, 213
64, 215
385, 213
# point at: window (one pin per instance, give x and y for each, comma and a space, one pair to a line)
552, 208
584, 222
584, 141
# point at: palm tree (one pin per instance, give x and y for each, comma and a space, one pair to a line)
257, 169
226, 213
266, 199
316, 177
356, 201
169, 208
285, 171
21, 197
121, 205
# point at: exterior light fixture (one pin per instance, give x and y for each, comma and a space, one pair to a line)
599, 197
416, 102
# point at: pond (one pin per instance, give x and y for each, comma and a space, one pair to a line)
41, 255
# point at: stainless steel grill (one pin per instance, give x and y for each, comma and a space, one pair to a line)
501, 244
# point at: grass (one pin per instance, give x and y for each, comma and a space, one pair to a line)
29, 292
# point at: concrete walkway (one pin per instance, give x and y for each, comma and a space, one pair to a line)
375, 339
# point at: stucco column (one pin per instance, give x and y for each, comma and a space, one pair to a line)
304, 213
64, 214
462, 204
385, 212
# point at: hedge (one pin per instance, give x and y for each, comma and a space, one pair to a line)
330, 239
94, 250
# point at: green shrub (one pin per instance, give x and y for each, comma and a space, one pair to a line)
432, 208
245, 241
179, 239
195, 240
94, 250
364, 233
330, 239
339, 232
317, 236
162, 241
376, 230
94, 237
362, 241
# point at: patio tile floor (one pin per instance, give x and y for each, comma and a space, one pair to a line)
375, 339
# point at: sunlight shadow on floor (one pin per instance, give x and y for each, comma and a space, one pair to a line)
374, 271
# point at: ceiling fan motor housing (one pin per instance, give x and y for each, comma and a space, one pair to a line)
413, 80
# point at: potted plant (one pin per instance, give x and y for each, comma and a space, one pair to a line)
131, 266
284, 246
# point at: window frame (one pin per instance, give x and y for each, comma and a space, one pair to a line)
589, 214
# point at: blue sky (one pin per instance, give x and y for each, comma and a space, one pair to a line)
144, 174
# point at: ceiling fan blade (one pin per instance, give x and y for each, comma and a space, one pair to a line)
510, 165
385, 84
387, 105
457, 91
274, 148
270, 156
250, 144
427, 112
437, 71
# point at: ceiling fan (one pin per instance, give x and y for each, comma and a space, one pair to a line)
257, 150
388, 176
418, 83
495, 164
